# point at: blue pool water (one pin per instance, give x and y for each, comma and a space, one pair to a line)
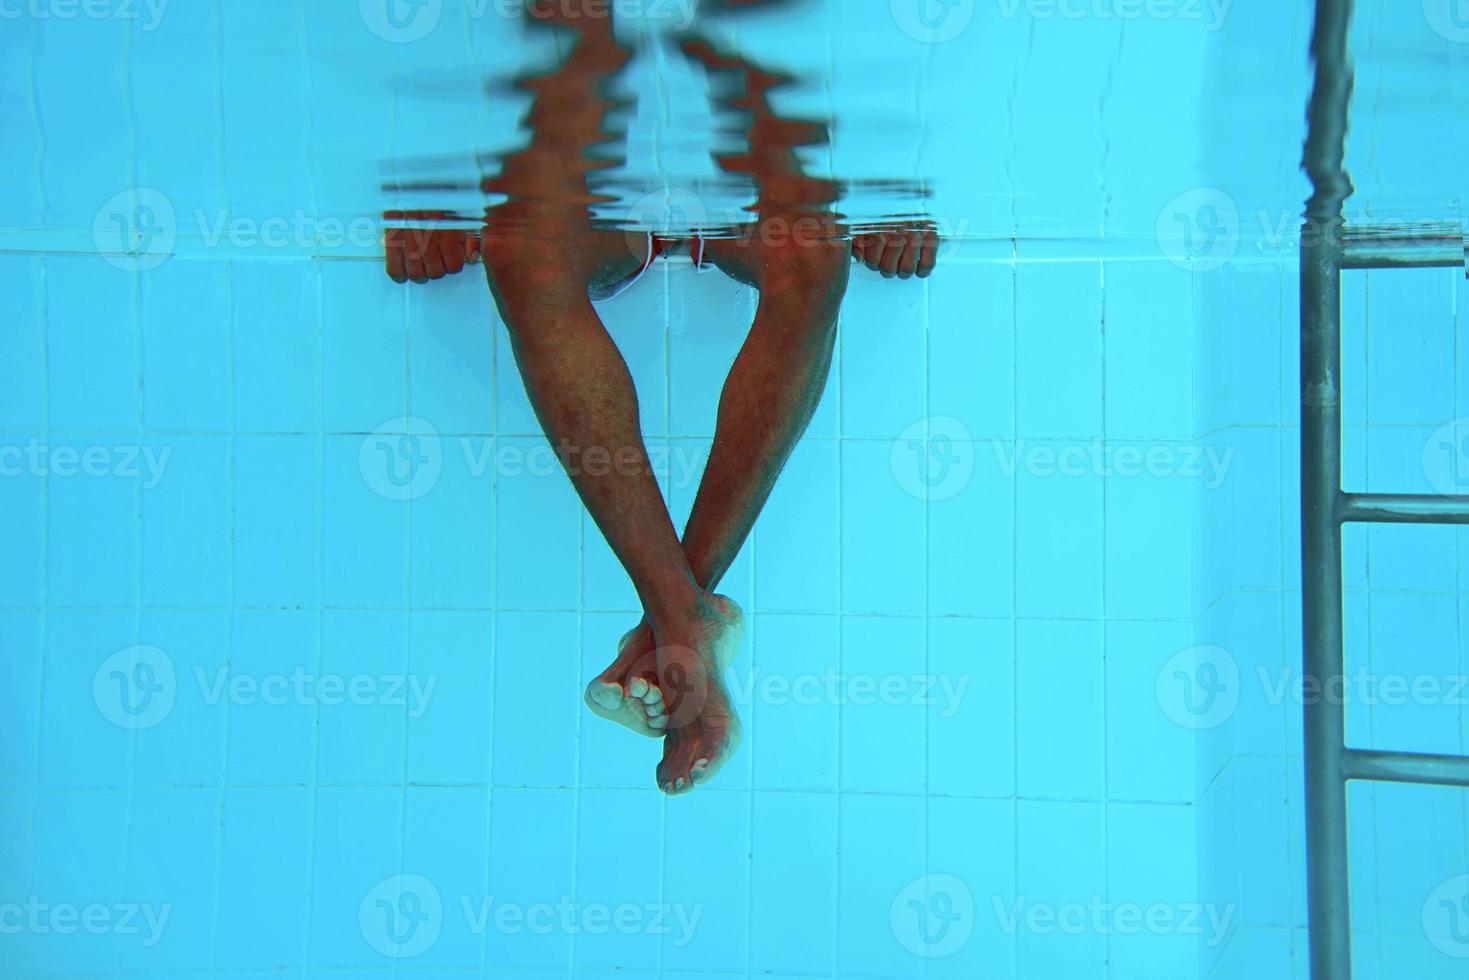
298, 607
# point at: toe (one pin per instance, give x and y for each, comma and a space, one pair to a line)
637, 688
606, 694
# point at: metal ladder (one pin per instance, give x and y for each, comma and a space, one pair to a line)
1329, 246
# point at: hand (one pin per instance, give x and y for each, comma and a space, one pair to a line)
898, 250
423, 254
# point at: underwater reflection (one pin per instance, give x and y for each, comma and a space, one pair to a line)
570, 178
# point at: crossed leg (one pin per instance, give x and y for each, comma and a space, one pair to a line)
668, 678
769, 397
584, 397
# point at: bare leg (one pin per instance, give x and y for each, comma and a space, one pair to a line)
583, 395
772, 391
798, 258
540, 252
767, 402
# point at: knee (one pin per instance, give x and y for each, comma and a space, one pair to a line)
814, 274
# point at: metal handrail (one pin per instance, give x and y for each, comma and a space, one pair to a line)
1325, 507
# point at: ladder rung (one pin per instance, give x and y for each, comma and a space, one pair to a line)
1387, 247
1390, 508
1406, 767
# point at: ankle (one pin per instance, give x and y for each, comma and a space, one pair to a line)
672, 610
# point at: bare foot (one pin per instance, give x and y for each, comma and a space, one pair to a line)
703, 728
627, 692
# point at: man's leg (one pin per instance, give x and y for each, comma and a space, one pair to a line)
796, 255
584, 397
768, 400
772, 391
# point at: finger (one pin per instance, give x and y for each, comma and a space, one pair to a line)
451, 254
418, 242
912, 251
892, 254
434, 263
471, 248
397, 264
417, 270
930, 254
873, 255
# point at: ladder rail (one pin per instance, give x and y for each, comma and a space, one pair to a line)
1322, 254
1328, 915
1329, 246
